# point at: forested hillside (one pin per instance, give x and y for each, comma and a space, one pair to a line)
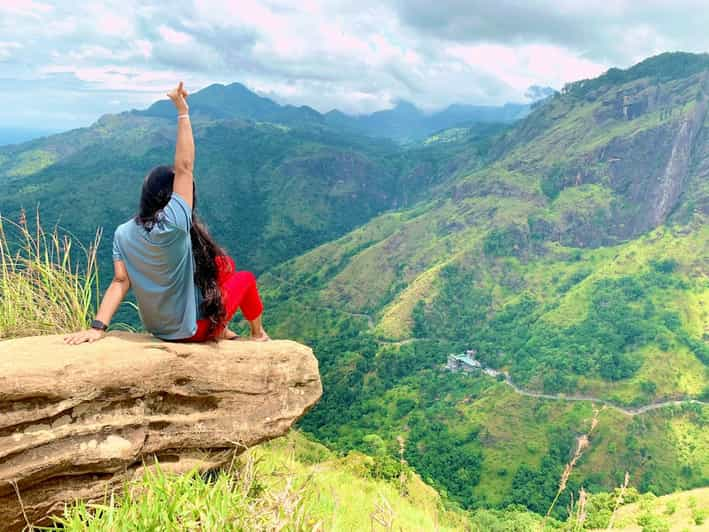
576, 261
269, 192
568, 251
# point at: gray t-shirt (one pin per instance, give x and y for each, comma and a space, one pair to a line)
160, 267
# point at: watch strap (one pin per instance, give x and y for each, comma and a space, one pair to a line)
98, 324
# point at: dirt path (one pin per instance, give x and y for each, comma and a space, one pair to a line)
629, 411
400, 342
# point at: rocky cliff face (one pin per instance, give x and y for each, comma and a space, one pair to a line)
652, 169
76, 421
643, 143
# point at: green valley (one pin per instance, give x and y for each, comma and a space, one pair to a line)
569, 250
576, 272
268, 191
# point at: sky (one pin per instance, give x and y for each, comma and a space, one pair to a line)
65, 63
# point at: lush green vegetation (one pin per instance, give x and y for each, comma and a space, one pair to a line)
518, 268
473, 438
537, 246
679, 511
620, 320
663, 67
288, 484
48, 282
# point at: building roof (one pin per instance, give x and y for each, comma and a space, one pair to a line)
465, 359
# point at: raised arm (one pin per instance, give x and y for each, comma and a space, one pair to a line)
184, 148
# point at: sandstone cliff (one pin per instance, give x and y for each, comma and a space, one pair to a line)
78, 420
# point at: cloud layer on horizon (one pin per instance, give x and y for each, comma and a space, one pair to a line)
63, 67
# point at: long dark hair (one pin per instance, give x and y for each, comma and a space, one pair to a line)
156, 192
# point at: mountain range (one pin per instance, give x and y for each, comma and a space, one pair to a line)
403, 123
564, 247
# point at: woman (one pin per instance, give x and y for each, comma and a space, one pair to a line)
186, 285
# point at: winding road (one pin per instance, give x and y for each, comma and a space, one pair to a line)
629, 411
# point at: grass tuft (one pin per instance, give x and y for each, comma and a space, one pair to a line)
229, 500
48, 283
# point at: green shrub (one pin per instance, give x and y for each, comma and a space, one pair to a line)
505, 242
553, 182
651, 523
664, 265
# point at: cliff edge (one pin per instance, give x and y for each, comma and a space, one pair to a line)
77, 421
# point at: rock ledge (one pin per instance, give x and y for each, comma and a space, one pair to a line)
76, 420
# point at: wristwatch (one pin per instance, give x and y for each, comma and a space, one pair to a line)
99, 325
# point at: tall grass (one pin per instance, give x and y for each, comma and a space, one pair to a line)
582, 443
49, 282
290, 483
619, 500
231, 500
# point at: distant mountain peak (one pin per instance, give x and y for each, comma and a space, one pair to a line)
405, 105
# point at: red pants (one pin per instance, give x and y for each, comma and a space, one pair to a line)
238, 291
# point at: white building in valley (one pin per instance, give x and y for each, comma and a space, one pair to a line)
463, 362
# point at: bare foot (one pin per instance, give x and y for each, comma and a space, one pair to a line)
228, 334
263, 337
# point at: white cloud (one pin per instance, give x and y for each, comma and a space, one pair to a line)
358, 57
25, 8
6, 49
526, 65
114, 25
173, 36
117, 77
